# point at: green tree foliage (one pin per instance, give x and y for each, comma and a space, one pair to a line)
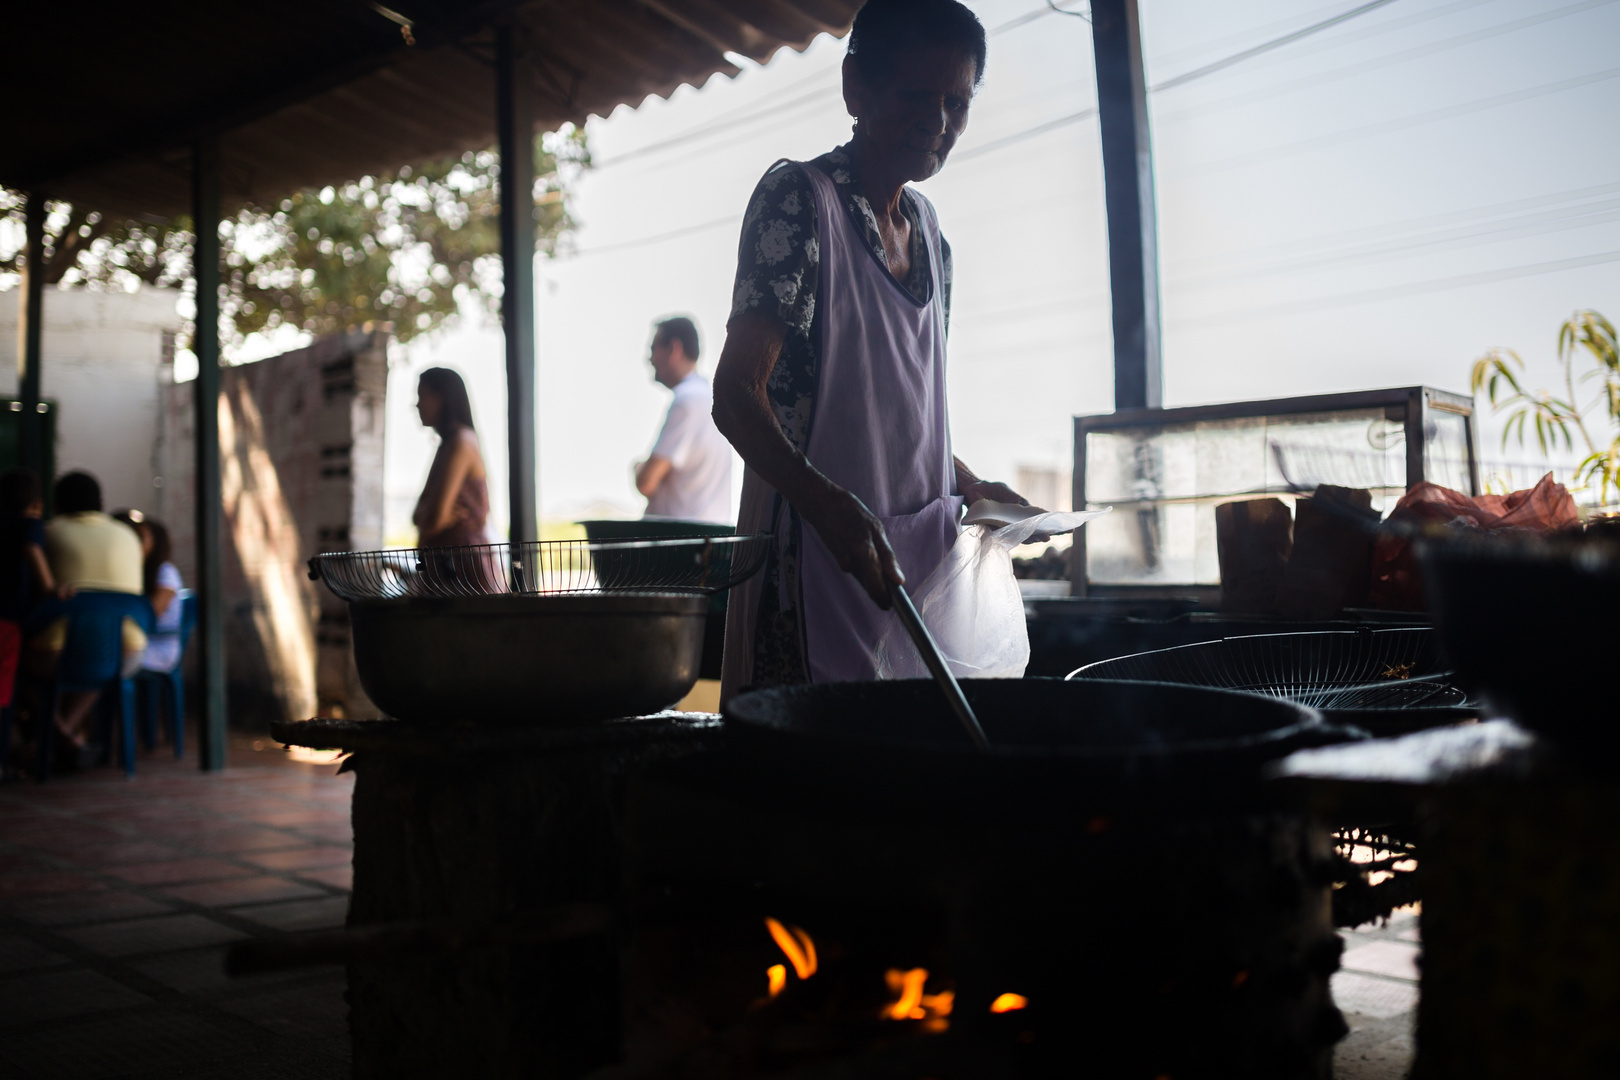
404, 249
1557, 420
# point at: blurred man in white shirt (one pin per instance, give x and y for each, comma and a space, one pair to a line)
688, 473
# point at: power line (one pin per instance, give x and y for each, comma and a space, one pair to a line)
1371, 232
1179, 80
1385, 127
1268, 46
1275, 90
657, 238
1542, 224
1027, 133
1396, 292
1364, 33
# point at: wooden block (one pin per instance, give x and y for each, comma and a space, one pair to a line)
1331, 565
1253, 539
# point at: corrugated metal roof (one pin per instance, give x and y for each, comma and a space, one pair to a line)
310, 92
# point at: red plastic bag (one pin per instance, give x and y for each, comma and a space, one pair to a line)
1547, 507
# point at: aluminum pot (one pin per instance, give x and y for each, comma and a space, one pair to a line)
554, 660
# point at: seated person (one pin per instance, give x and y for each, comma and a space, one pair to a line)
161, 583
88, 551
25, 576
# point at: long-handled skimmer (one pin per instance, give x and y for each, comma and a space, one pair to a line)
936, 664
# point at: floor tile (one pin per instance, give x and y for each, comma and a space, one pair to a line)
21, 862
155, 934
121, 853
300, 818
137, 1042
51, 995
1396, 959
235, 839
296, 915
202, 971
18, 953
1372, 996
45, 883
179, 871
253, 890
341, 834
310, 1009
338, 877
85, 908
60, 835
302, 858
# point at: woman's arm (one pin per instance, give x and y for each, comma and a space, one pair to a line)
161, 598
435, 511
743, 414
42, 573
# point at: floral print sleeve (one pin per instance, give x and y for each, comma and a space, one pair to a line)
778, 256
778, 268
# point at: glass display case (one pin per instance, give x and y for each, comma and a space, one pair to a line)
1165, 470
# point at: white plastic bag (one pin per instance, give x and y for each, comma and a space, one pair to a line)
972, 606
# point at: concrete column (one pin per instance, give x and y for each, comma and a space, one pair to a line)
514, 107
210, 632
1133, 244
30, 328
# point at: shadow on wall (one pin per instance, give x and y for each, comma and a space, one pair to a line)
301, 442
282, 605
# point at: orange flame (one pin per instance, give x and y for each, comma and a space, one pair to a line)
911, 1003
776, 976
795, 945
1007, 1003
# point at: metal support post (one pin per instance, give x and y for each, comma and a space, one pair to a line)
205, 215
515, 119
1133, 246
30, 328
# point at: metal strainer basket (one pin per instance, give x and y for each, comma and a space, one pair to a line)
1335, 670
700, 565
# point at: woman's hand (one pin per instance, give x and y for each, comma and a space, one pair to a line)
856, 540
993, 490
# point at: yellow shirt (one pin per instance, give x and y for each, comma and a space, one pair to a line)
93, 550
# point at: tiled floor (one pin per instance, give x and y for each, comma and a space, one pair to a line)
117, 902
1377, 990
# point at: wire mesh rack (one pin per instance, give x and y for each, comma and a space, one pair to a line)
1330, 669
700, 565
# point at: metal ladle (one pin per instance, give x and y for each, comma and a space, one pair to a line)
948, 685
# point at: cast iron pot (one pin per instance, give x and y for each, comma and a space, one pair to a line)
528, 660
1531, 625
1093, 742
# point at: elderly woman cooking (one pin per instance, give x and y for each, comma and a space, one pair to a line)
831, 384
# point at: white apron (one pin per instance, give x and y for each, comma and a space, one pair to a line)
880, 430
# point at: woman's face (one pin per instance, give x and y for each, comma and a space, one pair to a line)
913, 117
428, 405
145, 533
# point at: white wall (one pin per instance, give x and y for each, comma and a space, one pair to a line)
102, 366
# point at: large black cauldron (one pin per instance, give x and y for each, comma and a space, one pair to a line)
1114, 859
1095, 743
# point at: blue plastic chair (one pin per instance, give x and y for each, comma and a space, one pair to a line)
92, 658
156, 686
